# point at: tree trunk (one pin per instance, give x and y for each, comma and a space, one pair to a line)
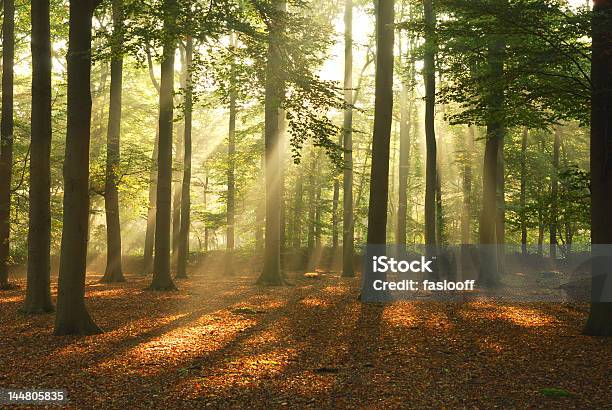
150, 231
554, 195
114, 272
271, 273
500, 218
383, 112
600, 316
231, 177
404, 160
177, 182
489, 269
162, 280
6, 137
466, 229
348, 228
429, 77
297, 213
523, 215
183, 250
38, 291
72, 316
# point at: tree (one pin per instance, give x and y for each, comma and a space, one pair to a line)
429, 77
231, 167
72, 315
162, 280
383, 111
114, 272
600, 317
404, 155
489, 268
523, 193
38, 291
183, 250
554, 195
348, 228
271, 273
6, 137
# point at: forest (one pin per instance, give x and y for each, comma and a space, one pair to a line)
192, 192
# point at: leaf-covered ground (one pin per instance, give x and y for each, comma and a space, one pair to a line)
228, 343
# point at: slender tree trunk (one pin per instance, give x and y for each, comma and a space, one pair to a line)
72, 315
114, 272
271, 273
177, 176
429, 76
183, 250
150, 231
523, 191
489, 269
6, 137
383, 112
466, 229
554, 195
162, 280
38, 292
439, 211
297, 213
348, 226
335, 218
231, 177
404, 161
310, 240
500, 218
600, 316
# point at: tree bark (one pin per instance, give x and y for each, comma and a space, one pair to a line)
523, 216
231, 172
183, 250
150, 231
6, 137
383, 112
600, 317
429, 76
489, 269
500, 217
466, 229
72, 315
554, 195
404, 160
38, 291
271, 273
162, 280
114, 272
348, 226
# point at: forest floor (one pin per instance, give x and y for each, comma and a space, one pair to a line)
228, 343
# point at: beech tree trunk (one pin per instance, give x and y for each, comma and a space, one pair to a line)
523, 215
162, 279
489, 268
600, 317
38, 291
466, 229
271, 273
72, 315
383, 112
429, 76
114, 272
183, 249
404, 160
348, 226
554, 196
231, 177
6, 137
